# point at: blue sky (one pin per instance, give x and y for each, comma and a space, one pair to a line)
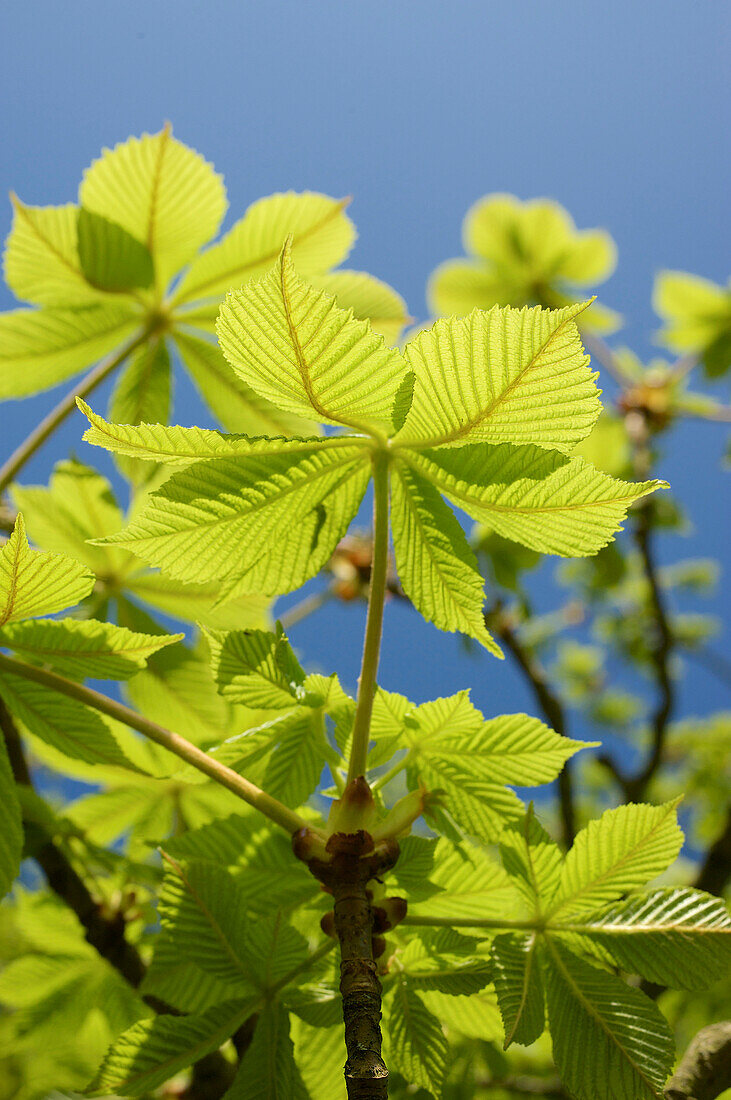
415, 109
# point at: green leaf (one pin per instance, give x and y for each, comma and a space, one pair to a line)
69, 726
163, 193
318, 1054
36, 583
675, 936
519, 988
424, 967
437, 568
257, 668
234, 404
268, 1070
176, 688
110, 258
85, 648
11, 825
152, 1051
42, 347
512, 748
532, 860
285, 756
415, 1043
41, 262
198, 602
78, 505
217, 519
176, 446
205, 919
539, 498
620, 851
473, 885
697, 315
610, 1041
143, 392
476, 1017
507, 375
369, 299
322, 235
296, 348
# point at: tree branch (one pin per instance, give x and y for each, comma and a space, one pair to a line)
66, 405
173, 742
552, 709
715, 870
705, 1068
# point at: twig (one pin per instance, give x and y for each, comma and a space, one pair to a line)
601, 351
173, 742
705, 1068
552, 709
305, 607
66, 405
715, 870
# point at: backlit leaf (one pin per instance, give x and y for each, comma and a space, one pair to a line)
110, 258
295, 347
33, 582
519, 988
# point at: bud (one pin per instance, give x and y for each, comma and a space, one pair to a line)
379, 946
388, 913
354, 811
327, 924
309, 844
402, 816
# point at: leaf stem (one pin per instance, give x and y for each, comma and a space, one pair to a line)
397, 768
374, 622
173, 742
57, 415
471, 922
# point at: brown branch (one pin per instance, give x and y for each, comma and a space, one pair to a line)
661, 646
552, 709
106, 932
715, 870
705, 1068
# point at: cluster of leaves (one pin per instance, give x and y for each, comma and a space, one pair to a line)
493, 412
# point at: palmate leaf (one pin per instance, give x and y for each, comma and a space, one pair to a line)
110, 258
504, 375
143, 392
236, 509
152, 1051
475, 1017
268, 1070
697, 316
41, 262
65, 724
257, 668
619, 852
177, 446
163, 193
414, 1042
532, 860
436, 566
368, 298
286, 756
36, 583
41, 348
539, 498
204, 918
11, 825
322, 235
77, 505
610, 1041
197, 602
428, 964
235, 405
295, 347
675, 936
473, 885
519, 987
81, 648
